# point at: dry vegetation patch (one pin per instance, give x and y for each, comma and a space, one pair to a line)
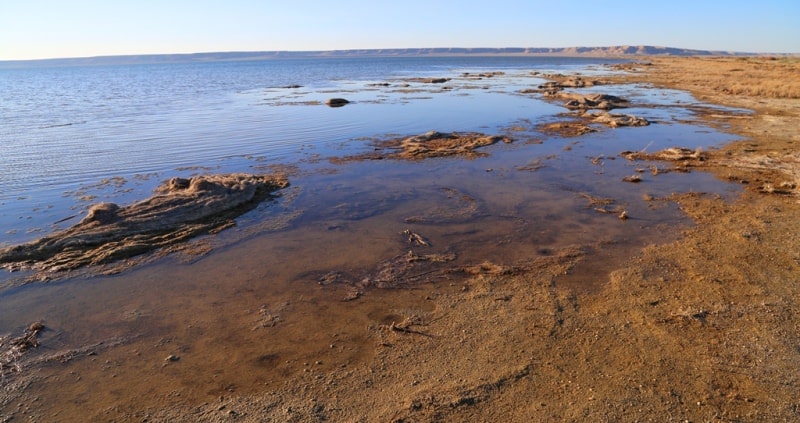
767, 77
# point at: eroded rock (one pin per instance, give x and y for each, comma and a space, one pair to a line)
667, 154
566, 129
618, 120
568, 82
595, 101
437, 144
180, 209
430, 144
102, 213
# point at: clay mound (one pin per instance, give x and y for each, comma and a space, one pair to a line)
574, 82
565, 129
428, 145
618, 120
579, 126
595, 101
440, 144
179, 210
668, 154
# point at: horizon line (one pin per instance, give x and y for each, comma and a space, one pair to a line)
578, 51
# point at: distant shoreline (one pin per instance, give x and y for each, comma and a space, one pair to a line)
597, 52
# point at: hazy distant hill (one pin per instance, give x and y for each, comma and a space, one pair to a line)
615, 51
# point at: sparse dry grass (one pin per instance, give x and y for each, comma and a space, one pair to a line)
746, 76
769, 87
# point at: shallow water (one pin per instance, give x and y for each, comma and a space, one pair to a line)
259, 308
66, 130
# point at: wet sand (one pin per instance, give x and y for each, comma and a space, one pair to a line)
697, 326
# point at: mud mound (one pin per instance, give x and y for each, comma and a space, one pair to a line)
566, 129
569, 82
668, 154
179, 210
595, 101
439, 144
618, 120
430, 144
579, 125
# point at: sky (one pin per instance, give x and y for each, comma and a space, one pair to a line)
35, 29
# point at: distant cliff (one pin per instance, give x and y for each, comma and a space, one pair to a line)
615, 51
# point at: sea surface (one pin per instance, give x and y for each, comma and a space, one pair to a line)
268, 297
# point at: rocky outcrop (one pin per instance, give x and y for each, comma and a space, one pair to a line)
180, 209
428, 145
671, 154
617, 120
571, 82
593, 101
438, 144
566, 129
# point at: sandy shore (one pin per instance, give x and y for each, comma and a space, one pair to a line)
701, 329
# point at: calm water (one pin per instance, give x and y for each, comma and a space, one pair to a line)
75, 136
67, 129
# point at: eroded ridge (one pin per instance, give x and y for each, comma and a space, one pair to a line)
179, 210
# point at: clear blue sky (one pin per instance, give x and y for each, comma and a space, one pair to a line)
32, 29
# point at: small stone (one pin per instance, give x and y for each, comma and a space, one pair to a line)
172, 357
337, 102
